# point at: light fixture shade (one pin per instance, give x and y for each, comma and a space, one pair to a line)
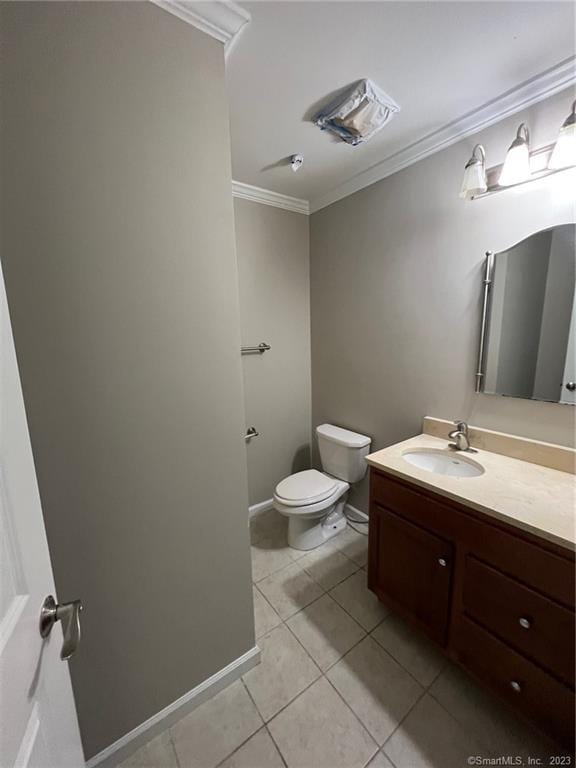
516, 168
474, 181
564, 153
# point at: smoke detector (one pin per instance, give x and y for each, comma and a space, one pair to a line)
358, 113
296, 162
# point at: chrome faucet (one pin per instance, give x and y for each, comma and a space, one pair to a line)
460, 437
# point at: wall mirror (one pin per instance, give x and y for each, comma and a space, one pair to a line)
528, 333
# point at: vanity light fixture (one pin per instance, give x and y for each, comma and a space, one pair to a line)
564, 152
474, 181
516, 168
520, 164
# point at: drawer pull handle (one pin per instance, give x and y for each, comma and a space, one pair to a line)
442, 562
515, 686
525, 623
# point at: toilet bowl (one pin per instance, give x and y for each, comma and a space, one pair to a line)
314, 501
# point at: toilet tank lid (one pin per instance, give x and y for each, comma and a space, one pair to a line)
342, 436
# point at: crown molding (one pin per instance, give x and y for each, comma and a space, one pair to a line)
530, 92
267, 197
221, 20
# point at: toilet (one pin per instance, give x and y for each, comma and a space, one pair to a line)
314, 501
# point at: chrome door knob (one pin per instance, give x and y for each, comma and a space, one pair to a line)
442, 562
515, 686
525, 623
69, 615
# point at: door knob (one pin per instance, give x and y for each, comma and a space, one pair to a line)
571, 386
69, 615
442, 562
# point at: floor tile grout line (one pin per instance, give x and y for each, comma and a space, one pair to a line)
465, 728
255, 586
284, 568
268, 731
368, 631
236, 749
306, 651
299, 693
324, 590
292, 700
324, 671
173, 743
440, 671
398, 725
331, 684
358, 567
327, 594
389, 653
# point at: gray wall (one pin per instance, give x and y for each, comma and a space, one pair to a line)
395, 293
274, 277
118, 251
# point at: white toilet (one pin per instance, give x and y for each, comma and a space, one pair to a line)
314, 501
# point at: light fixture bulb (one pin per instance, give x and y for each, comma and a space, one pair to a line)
474, 181
564, 152
516, 168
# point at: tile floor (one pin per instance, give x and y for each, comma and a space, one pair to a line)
342, 683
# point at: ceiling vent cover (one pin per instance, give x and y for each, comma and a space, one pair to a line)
357, 113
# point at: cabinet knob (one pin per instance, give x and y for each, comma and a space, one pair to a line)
442, 562
515, 686
525, 623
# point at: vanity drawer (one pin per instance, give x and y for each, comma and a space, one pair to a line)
515, 679
415, 505
531, 623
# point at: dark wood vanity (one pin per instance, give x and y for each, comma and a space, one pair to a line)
497, 600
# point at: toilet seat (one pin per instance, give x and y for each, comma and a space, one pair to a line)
308, 493
302, 488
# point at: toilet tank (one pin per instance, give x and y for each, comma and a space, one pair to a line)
343, 453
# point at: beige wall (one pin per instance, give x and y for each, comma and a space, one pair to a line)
273, 263
119, 259
395, 293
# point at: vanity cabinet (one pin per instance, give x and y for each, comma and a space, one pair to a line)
413, 571
497, 600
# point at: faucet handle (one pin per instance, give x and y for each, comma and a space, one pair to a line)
461, 426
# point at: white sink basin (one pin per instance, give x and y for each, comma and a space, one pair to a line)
443, 462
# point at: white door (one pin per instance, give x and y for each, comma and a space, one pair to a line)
38, 724
568, 391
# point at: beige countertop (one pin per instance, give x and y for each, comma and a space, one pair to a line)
534, 498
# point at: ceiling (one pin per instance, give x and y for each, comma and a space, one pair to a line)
438, 61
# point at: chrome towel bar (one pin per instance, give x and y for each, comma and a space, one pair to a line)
262, 347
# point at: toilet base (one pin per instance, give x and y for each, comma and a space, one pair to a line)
310, 532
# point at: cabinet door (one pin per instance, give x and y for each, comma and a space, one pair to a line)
411, 570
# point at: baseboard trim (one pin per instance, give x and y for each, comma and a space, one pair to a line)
263, 506
362, 517
143, 733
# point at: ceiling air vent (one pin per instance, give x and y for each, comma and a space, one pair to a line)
357, 113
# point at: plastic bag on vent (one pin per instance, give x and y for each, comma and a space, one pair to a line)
357, 114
